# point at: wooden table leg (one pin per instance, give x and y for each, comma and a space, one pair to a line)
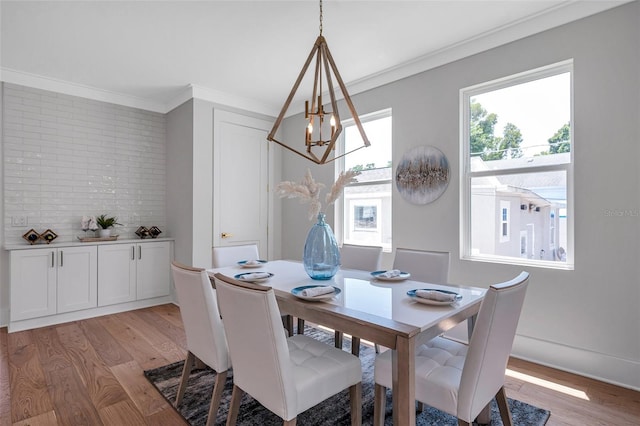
404, 382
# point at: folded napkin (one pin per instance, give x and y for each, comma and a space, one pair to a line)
255, 276
436, 295
391, 274
317, 291
252, 262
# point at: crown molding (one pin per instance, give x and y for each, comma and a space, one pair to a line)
552, 17
194, 91
74, 89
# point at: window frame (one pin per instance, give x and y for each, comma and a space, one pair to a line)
339, 205
466, 175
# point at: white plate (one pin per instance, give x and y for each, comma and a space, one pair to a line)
412, 295
247, 277
244, 264
379, 276
297, 292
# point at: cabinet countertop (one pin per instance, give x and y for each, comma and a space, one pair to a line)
62, 244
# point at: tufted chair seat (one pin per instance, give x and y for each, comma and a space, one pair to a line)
462, 380
286, 375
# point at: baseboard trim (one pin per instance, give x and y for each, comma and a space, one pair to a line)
606, 368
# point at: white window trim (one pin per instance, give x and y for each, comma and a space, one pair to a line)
338, 206
505, 205
466, 174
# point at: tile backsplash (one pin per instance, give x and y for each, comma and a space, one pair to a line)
66, 156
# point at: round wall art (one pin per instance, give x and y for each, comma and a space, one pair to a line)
422, 175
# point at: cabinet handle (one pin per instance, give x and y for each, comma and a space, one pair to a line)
61, 258
139, 252
133, 252
53, 259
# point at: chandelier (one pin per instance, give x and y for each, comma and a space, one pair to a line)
322, 126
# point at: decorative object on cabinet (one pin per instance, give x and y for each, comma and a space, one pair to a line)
154, 231
422, 175
48, 236
321, 128
142, 232
31, 236
106, 223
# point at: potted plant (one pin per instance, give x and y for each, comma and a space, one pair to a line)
105, 223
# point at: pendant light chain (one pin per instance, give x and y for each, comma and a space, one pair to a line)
320, 17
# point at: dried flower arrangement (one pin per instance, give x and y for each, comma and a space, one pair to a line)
308, 190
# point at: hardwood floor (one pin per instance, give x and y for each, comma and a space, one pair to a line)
90, 373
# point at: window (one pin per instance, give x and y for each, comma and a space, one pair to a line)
517, 169
363, 215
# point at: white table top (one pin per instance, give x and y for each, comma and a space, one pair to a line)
362, 292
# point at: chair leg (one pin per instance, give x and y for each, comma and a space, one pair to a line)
216, 396
376, 347
291, 422
463, 423
355, 346
287, 322
379, 405
505, 414
300, 326
234, 405
355, 396
186, 371
484, 418
337, 339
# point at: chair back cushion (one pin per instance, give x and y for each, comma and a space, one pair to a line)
364, 258
230, 255
257, 344
490, 346
200, 316
425, 266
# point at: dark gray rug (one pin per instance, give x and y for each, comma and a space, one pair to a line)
332, 412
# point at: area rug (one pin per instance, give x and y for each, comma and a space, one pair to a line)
334, 411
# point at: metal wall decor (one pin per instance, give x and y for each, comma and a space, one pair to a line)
422, 175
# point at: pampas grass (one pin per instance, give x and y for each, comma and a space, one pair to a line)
308, 190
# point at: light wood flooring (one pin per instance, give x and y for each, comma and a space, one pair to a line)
90, 373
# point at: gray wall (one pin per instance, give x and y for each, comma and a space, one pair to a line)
586, 320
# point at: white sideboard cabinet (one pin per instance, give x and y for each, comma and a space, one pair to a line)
47, 281
135, 271
70, 281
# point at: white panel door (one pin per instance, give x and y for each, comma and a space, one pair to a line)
77, 278
153, 270
240, 184
116, 274
33, 283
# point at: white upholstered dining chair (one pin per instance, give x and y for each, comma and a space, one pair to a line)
287, 375
224, 256
458, 379
206, 340
229, 255
364, 258
423, 265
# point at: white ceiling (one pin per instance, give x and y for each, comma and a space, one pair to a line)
249, 53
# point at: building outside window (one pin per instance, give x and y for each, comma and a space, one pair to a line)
517, 169
363, 214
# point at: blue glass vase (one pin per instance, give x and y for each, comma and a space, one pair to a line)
321, 256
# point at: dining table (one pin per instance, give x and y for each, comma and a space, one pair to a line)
373, 307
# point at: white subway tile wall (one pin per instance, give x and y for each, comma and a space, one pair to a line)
66, 156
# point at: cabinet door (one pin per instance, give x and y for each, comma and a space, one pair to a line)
116, 274
33, 283
77, 278
153, 270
